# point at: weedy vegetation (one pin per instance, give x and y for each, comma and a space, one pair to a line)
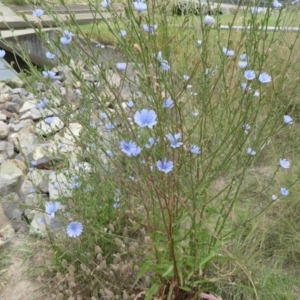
183, 181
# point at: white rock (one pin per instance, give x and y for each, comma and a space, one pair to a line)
27, 106
62, 190
11, 178
6, 235
2, 117
43, 128
5, 97
4, 130
25, 139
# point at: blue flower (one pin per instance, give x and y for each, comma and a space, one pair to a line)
246, 127
173, 139
274, 197
287, 119
109, 153
49, 120
284, 163
277, 4
75, 178
165, 166
149, 28
208, 20
151, 142
130, 148
140, 5
251, 152
103, 115
100, 46
32, 190
249, 74
37, 12
228, 52
243, 64
109, 126
50, 55
88, 189
145, 118
34, 162
185, 77
256, 9
56, 185
284, 191
164, 65
136, 151
67, 37
195, 149
121, 66
105, 3
51, 208
168, 103
123, 32
61, 145
131, 178
43, 103
243, 57
2, 53
244, 86
130, 104
49, 74
264, 78
96, 84
74, 229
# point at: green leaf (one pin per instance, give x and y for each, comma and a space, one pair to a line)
153, 290
207, 258
170, 269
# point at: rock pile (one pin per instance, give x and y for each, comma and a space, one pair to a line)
31, 135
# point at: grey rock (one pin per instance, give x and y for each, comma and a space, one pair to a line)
72, 98
27, 106
42, 225
6, 113
32, 201
6, 235
12, 107
58, 186
25, 140
19, 125
41, 156
39, 86
26, 186
11, 177
6, 151
4, 88
20, 91
43, 128
11, 209
3, 117
38, 225
5, 97
15, 82
4, 130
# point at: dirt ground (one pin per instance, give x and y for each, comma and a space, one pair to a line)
23, 271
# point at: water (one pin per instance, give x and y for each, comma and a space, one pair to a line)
6, 73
